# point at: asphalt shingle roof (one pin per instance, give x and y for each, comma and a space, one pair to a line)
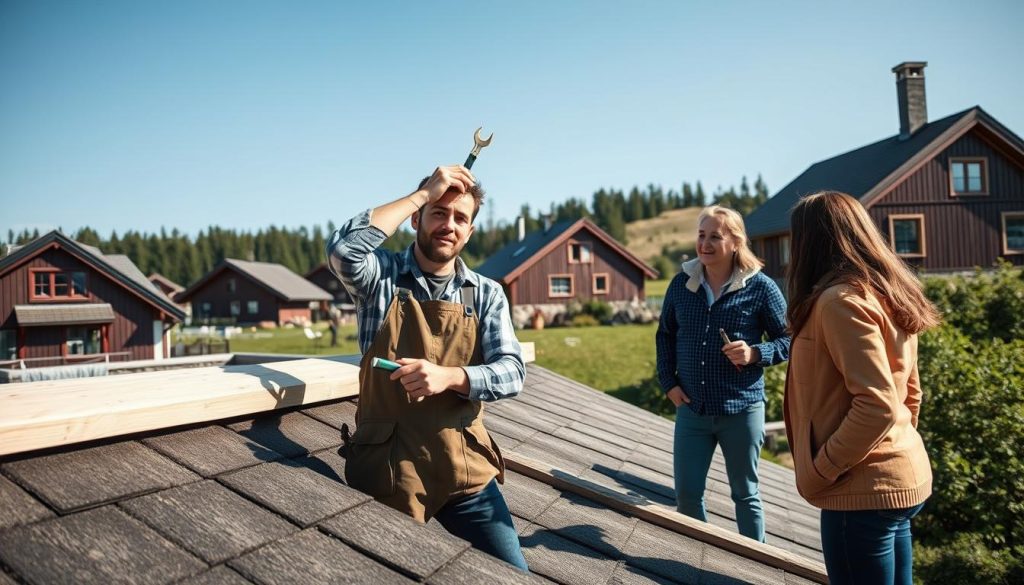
855, 172
262, 500
509, 257
279, 279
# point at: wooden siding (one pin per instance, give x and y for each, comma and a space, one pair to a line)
131, 330
216, 293
625, 280
962, 231
326, 280
772, 256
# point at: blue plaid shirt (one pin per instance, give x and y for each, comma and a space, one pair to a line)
689, 345
370, 275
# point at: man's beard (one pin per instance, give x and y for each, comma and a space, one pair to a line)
425, 242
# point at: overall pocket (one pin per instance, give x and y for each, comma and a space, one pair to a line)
484, 457
370, 467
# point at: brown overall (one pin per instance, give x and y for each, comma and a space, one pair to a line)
417, 456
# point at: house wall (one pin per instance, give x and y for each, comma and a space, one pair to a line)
131, 330
215, 292
963, 231
960, 232
626, 281
323, 278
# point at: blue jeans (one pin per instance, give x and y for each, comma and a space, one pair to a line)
868, 546
741, 436
484, 520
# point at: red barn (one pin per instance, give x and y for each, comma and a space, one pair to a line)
65, 302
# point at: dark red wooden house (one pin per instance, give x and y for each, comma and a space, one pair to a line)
65, 302
251, 292
948, 194
571, 260
322, 276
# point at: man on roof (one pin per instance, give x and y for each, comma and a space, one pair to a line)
420, 445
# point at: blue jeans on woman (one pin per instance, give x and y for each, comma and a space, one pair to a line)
483, 519
868, 546
741, 436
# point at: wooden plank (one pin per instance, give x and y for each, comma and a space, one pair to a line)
38, 415
639, 507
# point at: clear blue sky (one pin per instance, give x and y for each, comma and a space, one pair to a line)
141, 114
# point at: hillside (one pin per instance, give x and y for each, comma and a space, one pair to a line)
676, 228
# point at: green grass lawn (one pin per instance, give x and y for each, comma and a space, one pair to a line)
606, 358
656, 288
293, 341
603, 357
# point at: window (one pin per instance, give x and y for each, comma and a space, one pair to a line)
232, 285
332, 285
84, 340
8, 344
784, 251
236, 308
560, 285
205, 310
253, 307
579, 253
1013, 232
968, 176
601, 283
906, 234
52, 284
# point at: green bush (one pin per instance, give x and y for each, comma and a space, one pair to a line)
584, 320
599, 310
972, 423
983, 306
774, 385
966, 560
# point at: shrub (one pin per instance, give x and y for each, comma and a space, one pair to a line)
972, 423
584, 320
967, 561
983, 306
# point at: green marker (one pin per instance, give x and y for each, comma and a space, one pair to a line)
384, 364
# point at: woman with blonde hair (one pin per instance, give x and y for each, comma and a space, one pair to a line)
852, 389
722, 323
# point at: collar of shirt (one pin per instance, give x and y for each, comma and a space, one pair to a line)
462, 274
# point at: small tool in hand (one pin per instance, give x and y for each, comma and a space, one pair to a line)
384, 364
725, 339
478, 143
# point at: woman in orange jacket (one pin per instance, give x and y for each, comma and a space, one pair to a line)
852, 390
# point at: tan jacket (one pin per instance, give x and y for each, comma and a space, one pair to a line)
851, 406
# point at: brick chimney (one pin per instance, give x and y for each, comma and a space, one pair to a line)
910, 93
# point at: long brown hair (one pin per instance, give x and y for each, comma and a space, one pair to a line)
832, 241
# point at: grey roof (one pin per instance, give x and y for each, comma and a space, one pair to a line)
63, 314
276, 278
263, 500
509, 257
855, 173
118, 267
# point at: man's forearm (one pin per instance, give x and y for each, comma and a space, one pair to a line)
389, 216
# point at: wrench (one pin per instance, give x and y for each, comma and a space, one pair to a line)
478, 143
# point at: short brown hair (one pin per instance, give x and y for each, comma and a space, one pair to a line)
476, 190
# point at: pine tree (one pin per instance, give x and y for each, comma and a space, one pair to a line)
698, 197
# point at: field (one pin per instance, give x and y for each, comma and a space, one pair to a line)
606, 358
676, 229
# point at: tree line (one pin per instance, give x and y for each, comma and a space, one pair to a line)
184, 259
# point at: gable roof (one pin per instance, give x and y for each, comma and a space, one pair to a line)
174, 287
276, 278
117, 267
515, 257
263, 499
870, 171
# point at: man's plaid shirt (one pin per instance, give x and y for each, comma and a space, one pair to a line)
370, 276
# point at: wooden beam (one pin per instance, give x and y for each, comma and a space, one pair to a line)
639, 507
38, 415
